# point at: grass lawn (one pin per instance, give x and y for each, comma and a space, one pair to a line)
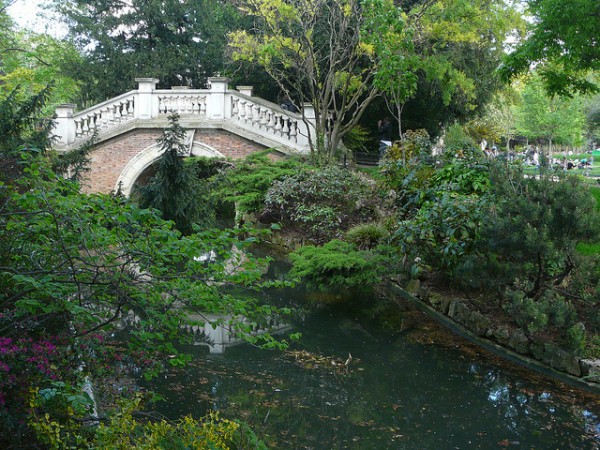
591, 248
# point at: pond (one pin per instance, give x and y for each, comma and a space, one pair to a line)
410, 384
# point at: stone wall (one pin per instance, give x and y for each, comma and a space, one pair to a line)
512, 339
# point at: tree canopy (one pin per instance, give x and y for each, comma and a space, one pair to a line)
180, 43
326, 53
563, 44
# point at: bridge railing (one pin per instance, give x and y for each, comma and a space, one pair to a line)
218, 107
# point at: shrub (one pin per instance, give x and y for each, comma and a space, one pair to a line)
337, 264
575, 337
531, 228
322, 203
366, 235
247, 182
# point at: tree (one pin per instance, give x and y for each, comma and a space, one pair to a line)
457, 47
500, 114
326, 53
593, 120
21, 123
174, 189
554, 119
563, 44
180, 43
531, 229
87, 280
32, 61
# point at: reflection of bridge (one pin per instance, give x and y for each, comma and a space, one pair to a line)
220, 123
218, 331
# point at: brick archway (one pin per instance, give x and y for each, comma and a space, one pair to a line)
144, 159
118, 162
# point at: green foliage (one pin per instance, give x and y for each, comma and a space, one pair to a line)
457, 48
561, 44
335, 265
32, 61
551, 118
75, 265
358, 139
440, 203
175, 190
326, 53
533, 226
412, 145
441, 233
366, 235
246, 183
322, 203
21, 122
576, 338
179, 43
74, 163
127, 428
458, 140
534, 315
463, 175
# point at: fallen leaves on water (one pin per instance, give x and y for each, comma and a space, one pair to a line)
309, 360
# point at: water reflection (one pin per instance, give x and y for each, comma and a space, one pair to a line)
419, 389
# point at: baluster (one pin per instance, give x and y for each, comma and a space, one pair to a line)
250, 107
286, 127
85, 129
242, 113
278, 120
271, 123
117, 108
189, 102
256, 114
78, 128
105, 119
183, 104
111, 114
92, 125
294, 130
234, 106
130, 108
196, 106
203, 105
263, 117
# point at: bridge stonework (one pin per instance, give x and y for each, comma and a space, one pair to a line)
109, 158
219, 122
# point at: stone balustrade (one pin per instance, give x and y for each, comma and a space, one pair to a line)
236, 111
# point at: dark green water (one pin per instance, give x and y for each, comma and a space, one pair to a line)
419, 388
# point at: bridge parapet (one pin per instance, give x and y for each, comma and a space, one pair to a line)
218, 107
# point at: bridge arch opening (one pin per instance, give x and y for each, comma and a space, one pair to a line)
139, 168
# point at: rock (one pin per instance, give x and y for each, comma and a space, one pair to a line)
590, 369
413, 287
440, 303
565, 362
502, 335
479, 324
519, 342
458, 312
538, 350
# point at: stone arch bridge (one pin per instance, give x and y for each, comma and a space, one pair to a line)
219, 122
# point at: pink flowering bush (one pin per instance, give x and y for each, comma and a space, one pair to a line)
25, 362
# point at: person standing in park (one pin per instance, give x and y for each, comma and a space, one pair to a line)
385, 135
